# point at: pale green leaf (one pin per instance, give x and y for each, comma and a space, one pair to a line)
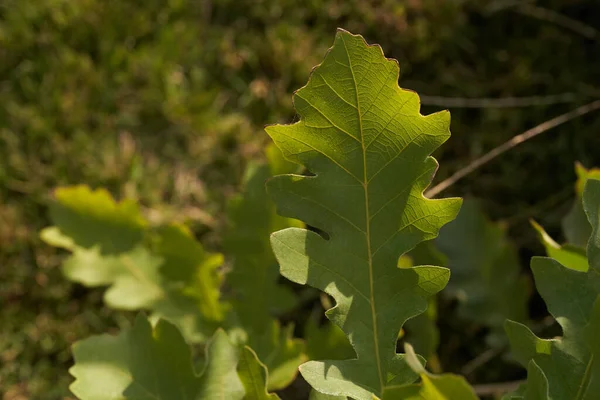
219, 379
192, 280
570, 295
569, 256
92, 218
253, 375
368, 147
165, 271
146, 363
486, 277
575, 224
314, 395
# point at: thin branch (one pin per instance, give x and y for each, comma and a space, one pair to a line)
481, 360
490, 389
526, 7
559, 19
503, 102
531, 133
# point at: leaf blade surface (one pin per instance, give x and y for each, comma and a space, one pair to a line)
368, 146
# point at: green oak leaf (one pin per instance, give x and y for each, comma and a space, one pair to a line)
94, 219
165, 270
314, 395
253, 375
568, 362
537, 388
253, 278
192, 281
568, 255
422, 331
326, 342
368, 147
431, 387
146, 362
575, 225
486, 277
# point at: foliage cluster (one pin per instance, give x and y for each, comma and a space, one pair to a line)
163, 103
352, 223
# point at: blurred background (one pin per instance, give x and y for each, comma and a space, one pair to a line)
165, 101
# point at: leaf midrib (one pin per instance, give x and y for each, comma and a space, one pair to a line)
364, 183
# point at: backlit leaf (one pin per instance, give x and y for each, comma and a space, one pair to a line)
368, 147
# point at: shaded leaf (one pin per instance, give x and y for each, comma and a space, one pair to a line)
575, 224
253, 279
486, 277
253, 375
570, 295
431, 387
368, 146
326, 342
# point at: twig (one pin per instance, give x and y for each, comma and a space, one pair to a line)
490, 389
503, 102
559, 19
481, 360
531, 133
527, 8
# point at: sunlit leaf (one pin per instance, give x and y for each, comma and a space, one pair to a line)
368, 147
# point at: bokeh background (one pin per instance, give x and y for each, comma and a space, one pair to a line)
165, 101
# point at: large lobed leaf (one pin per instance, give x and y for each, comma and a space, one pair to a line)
566, 367
146, 362
368, 147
